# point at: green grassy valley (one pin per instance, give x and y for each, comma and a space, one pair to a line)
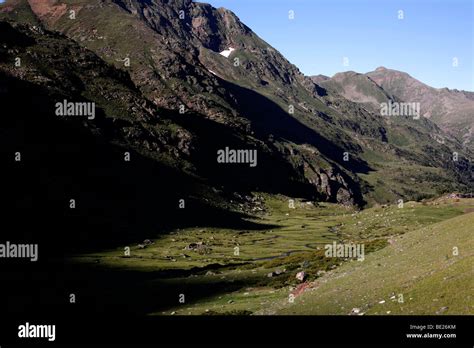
409, 251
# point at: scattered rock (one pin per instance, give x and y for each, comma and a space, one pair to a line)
301, 276
355, 311
442, 309
148, 242
200, 247
276, 273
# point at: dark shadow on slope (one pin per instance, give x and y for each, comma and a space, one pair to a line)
116, 202
269, 118
272, 173
105, 291
12, 37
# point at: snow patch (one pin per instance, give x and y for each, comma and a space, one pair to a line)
226, 53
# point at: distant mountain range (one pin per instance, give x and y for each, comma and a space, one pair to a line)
452, 110
177, 81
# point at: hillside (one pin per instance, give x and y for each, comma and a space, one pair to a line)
420, 265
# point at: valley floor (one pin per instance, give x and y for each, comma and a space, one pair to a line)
419, 260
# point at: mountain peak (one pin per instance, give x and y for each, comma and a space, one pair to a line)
345, 73
319, 78
381, 68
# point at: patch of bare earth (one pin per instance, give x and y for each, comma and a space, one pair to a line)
301, 288
48, 10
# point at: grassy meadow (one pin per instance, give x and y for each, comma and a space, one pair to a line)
409, 263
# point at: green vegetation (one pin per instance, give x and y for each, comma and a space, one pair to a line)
215, 280
426, 271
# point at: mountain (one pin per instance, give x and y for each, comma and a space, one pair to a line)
452, 110
319, 78
219, 85
356, 87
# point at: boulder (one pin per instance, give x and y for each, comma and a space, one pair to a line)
301, 276
148, 242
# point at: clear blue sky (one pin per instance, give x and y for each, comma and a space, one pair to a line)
370, 34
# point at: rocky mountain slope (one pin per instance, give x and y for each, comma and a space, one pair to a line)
452, 110
220, 85
356, 87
